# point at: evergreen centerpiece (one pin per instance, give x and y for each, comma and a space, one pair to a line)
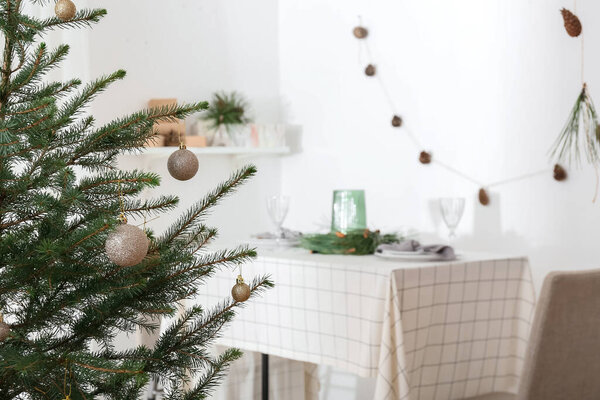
60, 295
226, 112
355, 242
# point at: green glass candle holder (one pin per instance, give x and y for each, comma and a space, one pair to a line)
348, 212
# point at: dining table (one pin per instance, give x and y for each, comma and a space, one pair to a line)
424, 329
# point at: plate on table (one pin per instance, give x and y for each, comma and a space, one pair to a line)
412, 256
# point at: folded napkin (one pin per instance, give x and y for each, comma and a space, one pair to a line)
443, 251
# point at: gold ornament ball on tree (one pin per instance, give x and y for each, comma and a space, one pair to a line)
127, 245
4, 330
183, 164
572, 23
65, 10
240, 291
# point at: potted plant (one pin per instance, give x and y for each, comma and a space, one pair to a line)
226, 116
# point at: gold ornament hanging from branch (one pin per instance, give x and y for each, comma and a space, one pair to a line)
370, 70
484, 198
575, 138
240, 291
182, 164
560, 174
572, 23
425, 157
65, 10
360, 32
127, 245
4, 329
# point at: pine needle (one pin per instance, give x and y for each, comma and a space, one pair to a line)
580, 135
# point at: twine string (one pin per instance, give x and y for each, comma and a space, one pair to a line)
597, 183
149, 220
121, 202
360, 44
415, 141
582, 59
456, 172
582, 45
68, 372
518, 178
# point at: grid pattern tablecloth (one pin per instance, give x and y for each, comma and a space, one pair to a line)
425, 330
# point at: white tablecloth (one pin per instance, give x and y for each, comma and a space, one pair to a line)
426, 330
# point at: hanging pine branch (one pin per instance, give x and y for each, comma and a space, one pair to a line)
581, 133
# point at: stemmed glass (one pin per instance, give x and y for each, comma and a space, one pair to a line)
278, 206
452, 211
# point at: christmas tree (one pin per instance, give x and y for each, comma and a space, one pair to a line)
62, 299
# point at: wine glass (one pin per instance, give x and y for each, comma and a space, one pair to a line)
278, 206
452, 210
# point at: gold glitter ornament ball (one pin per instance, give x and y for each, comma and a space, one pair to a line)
65, 10
4, 331
183, 164
127, 245
240, 291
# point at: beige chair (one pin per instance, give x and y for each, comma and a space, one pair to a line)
563, 355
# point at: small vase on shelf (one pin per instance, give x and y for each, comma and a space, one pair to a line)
221, 137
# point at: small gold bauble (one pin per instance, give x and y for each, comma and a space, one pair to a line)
127, 245
183, 164
65, 10
4, 331
240, 291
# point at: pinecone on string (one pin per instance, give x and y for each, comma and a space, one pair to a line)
360, 32
560, 174
572, 23
484, 198
397, 121
425, 157
370, 70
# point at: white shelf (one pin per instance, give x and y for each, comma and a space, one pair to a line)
220, 150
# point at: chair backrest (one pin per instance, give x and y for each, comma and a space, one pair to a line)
563, 356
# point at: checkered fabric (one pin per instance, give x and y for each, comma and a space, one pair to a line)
426, 330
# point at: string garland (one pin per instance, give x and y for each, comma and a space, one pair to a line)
426, 157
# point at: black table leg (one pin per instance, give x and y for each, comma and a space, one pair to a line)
265, 376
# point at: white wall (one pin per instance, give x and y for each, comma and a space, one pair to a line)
187, 50
486, 86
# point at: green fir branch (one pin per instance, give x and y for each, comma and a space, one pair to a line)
359, 242
196, 213
580, 135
